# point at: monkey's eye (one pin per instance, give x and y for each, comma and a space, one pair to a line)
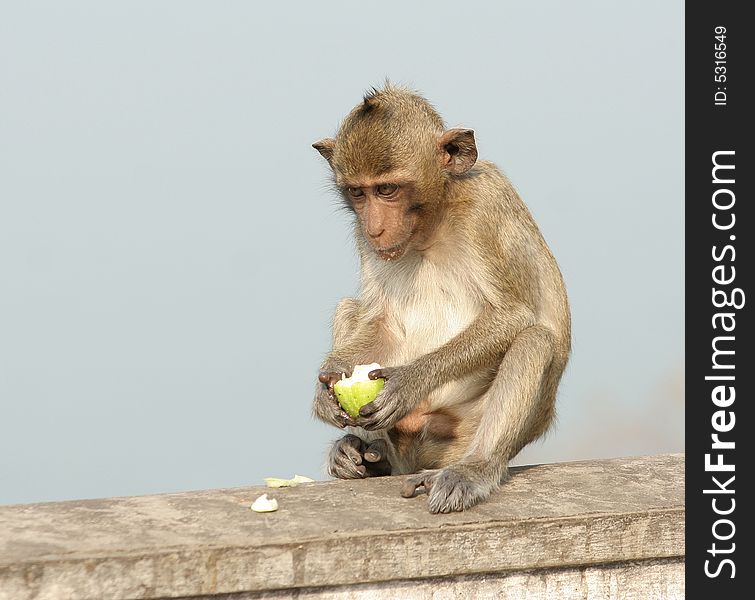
387, 189
355, 192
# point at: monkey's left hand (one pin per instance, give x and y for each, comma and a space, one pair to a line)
401, 394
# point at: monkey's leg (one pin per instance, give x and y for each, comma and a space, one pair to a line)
353, 458
519, 407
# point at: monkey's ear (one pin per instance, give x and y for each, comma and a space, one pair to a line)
458, 150
325, 147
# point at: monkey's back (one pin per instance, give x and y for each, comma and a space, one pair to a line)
524, 268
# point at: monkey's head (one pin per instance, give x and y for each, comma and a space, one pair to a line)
392, 160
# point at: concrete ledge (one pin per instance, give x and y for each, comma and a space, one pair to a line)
645, 580
343, 539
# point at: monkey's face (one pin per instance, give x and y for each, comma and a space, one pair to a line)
388, 213
391, 159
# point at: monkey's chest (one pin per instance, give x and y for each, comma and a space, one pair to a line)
426, 317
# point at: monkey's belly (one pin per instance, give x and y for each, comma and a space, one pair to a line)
427, 441
438, 432
412, 440
439, 424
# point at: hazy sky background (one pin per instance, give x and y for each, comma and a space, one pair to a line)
171, 255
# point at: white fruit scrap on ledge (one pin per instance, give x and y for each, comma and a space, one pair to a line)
265, 504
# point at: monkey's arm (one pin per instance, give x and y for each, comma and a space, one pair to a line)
483, 343
353, 335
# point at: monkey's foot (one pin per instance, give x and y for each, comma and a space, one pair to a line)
353, 458
454, 488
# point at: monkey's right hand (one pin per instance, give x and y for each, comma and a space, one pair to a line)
353, 458
326, 405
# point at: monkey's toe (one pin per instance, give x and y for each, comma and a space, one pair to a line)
345, 458
376, 451
343, 468
413, 482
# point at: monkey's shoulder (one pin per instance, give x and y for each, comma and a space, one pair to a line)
489, 197
486, 174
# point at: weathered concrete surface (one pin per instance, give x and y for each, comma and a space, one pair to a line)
343, 533
646, 580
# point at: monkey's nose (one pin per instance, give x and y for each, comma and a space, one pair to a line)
376, 233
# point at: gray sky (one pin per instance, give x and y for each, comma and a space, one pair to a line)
165, 224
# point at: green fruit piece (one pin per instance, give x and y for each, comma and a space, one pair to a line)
353, 395
301, 479
275, 482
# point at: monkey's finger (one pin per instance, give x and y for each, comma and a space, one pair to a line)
376, 451
329, 378
345, 420
368, 423
383, 373
374, 423
326, 377
368, 409
382, 418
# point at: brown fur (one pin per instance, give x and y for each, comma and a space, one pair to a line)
461, 300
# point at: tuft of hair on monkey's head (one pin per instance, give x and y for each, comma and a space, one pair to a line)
369, 100
393, 127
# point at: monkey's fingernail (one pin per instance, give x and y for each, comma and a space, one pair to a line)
376, 374
372, 456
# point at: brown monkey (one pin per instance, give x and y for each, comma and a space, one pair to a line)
461, 300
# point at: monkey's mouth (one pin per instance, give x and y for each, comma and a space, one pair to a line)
392, 252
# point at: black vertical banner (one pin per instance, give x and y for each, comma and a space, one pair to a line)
719, 298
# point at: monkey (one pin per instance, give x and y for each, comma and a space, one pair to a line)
461, 301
